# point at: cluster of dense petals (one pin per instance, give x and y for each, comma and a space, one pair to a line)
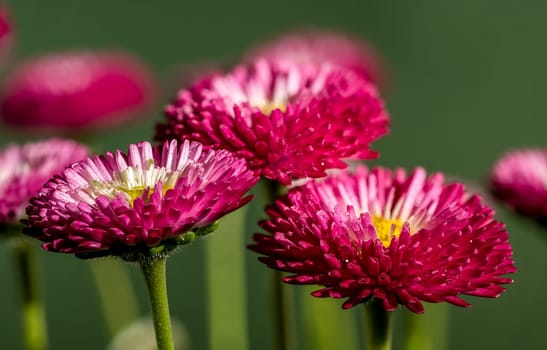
319, 46
24, 169
519, 179
123, 202
75, 90
288, 123
397, 238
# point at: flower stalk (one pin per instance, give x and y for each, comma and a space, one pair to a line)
280, 309
34, 319
427, 331
378, 326
117, 297
280, 294
154, 275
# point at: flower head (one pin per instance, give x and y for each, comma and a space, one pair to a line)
397, 238
519, 179
319, 46
130, 204
75, 90
24, 169
6, 33
287, 123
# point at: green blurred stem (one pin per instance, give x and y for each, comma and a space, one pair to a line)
33, 310
281, 317
378, 326
324, 323
427, 331
116, 294
280, 294
154, 275
226, 285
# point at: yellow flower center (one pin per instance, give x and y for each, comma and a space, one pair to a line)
134, 192
387, 228
271, 105
137, 191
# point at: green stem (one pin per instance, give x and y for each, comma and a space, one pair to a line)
226, 280
378, 326
117, 298
281, 317
427, 331
154, 274
324, 323
280, 298
33, 311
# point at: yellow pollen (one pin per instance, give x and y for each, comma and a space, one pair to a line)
270, 106
137, 191
387, 228
133, 193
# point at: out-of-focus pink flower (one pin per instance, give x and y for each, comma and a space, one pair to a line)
6, 33
519, 179
129, 204
397, 238
24, 169
319, 46
288, 123
75, 90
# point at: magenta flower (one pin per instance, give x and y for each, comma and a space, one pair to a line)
125, 204
397, 238
24, 169
319, 46
519, 179
6, 33
75, 90
286, 122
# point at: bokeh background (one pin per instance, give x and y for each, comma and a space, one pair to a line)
467, 82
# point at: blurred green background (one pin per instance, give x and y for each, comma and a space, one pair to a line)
467, 82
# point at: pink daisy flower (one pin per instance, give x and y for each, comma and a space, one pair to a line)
519, 179
75, 90
319, 46
287, 123
137, 204
24, 169
397, 238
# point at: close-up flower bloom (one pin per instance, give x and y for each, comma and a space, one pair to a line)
519, 178
24, 169
288, 123
319, 46
125, 204
395, 237
75, 90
